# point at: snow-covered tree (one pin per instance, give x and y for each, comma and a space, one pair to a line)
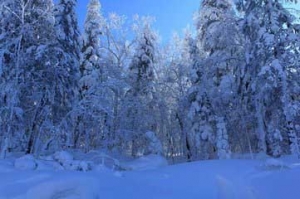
213, 88
44, 93
154, 144
34, 66
67, 30
171, 87
41, 72
90, 63
269, 75
116, 51
139, 100
69, 38
11, 114
92, 111
222, 139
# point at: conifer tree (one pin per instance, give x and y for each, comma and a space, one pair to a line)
140, 96
92, 111
269, 74
90, 62
11, 114
42, 95
34, 62
69, 39
213, 89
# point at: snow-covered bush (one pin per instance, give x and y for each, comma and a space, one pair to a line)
102, 161
63, 157
26, 162
222, 139
78, 165
274, 164
145, 163
274, 138
155, 145
66, 160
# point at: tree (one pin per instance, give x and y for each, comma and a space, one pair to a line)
42, 73
140, 97
33, 61
69, 39
67, 30
213, 76
45, 94
268, 77
91, 45
11, 114
172, 84
116, 51
92, 111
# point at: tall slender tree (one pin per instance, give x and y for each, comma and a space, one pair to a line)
11, 114
140, 96
92, 111
270, 72
69, 39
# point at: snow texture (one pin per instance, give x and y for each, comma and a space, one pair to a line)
218, 179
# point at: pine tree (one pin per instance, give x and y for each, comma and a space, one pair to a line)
44, 75
268, 80
140, 96
199, 114
67, 30
39, 70
90, 63
11, 114
92, 112
69, 39
213, 91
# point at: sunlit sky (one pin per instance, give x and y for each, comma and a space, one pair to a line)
170, 15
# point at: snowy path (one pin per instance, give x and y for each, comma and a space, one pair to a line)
230, 179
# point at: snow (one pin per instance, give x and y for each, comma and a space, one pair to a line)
214, 179
273, 163
146, 163
155, 145
26, 162
63, 157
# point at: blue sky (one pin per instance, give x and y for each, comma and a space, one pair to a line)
171, 15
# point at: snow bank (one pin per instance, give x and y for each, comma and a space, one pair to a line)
145, 163
249, 156
215, 179
274, 164
66, 160
26, 162
103, 161
63, 157
80, 188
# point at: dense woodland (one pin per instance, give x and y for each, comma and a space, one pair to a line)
233, 87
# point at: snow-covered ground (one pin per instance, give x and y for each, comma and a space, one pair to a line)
216, 179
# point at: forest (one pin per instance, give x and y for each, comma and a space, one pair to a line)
232, 86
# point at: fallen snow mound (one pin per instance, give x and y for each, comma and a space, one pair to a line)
63, 157
26, 162
66, 160
274, 164
145, 163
